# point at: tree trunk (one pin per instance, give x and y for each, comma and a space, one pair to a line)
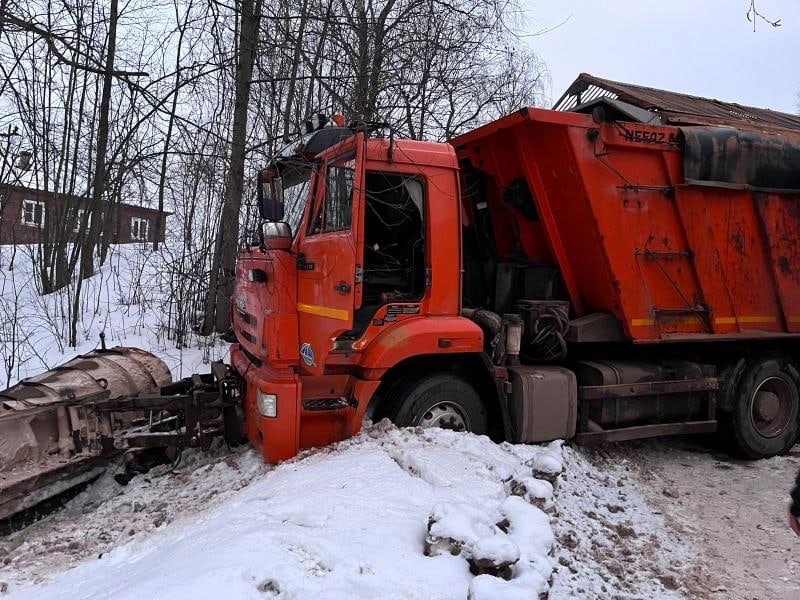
291, 104
217, 314
160, 223
90, 240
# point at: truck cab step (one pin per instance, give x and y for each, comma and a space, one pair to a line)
317, 404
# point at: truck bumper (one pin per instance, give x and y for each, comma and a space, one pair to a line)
310, 411
277, 438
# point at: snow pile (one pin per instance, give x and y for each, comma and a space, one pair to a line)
457, 528
535, 491
348, 521
460, 529
530, 528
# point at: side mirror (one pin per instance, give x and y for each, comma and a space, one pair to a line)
276, 235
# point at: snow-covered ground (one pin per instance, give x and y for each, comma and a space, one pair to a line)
354, 521
343, 522
731, 513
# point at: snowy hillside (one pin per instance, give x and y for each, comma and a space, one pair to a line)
132, 298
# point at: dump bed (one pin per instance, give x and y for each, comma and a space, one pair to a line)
690, 233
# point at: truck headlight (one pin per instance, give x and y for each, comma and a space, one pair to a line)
267, 404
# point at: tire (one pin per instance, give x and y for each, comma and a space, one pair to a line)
765, 407
438, 400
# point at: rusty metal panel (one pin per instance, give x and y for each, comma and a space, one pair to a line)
52, 387
743, 159
709, 254
93, 376
151, 363
780, 220
731, 255
676, 108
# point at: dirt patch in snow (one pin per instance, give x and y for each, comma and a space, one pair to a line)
675, 518
730, 513
611, 544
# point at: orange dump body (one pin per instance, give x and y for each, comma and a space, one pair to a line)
672, 258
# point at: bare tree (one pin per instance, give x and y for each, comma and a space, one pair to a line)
119, 107
224, 265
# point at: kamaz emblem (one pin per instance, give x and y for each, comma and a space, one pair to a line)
307, 352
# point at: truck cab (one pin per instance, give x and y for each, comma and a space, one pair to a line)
358, 271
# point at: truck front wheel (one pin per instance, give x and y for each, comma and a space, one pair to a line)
765, 408
439, 400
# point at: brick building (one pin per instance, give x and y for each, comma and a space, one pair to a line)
26, 214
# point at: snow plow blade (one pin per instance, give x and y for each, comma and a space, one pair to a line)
62, 428
54, 432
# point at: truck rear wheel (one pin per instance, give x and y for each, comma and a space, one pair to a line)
765, 407
439, 400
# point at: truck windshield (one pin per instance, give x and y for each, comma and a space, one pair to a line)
293, 186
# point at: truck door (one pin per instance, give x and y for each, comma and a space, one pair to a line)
331, 254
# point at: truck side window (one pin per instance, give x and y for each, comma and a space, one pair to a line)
335, 210
394, 238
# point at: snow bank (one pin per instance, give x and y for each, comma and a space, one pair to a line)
349, 521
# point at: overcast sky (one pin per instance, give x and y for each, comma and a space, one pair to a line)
702, 47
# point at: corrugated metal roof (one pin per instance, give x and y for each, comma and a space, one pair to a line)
675, 108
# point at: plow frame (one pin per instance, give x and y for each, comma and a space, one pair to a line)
189, 413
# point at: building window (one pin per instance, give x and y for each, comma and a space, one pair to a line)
139, 228
33, 213
76, 218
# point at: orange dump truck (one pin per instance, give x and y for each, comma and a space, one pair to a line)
627, 267
548, 275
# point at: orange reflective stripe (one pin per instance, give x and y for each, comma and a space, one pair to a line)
324, 311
